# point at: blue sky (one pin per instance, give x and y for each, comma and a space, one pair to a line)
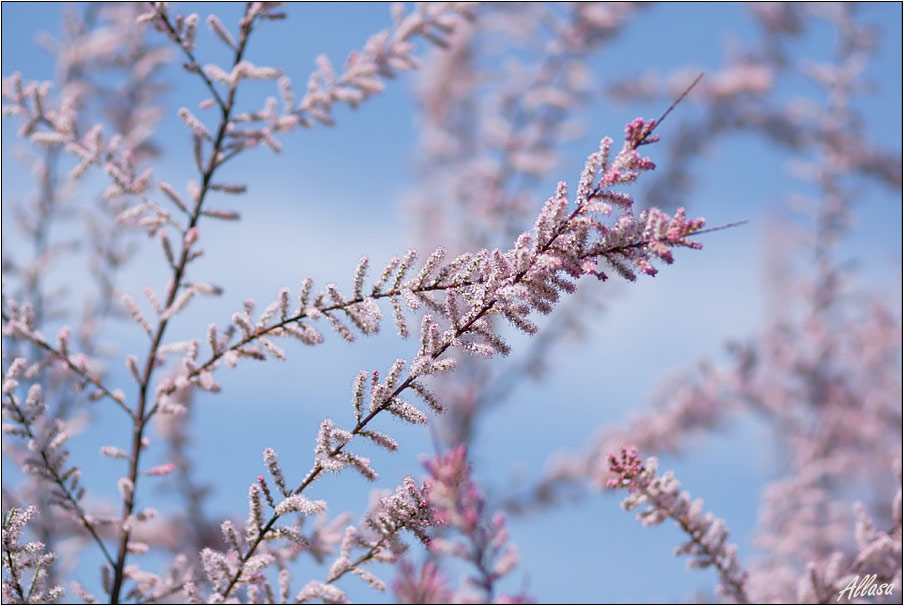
333, 195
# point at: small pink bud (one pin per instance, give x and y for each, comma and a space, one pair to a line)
161, 470
191, 236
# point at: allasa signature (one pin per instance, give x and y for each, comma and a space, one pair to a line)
866, 586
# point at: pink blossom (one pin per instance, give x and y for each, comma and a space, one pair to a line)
191, 236
161, 470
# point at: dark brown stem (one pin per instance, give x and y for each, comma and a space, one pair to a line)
139, 418
257, 334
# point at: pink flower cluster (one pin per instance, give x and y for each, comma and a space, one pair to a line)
707, 544
464, 530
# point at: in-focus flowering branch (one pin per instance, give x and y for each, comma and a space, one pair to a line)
377, 538
514, 284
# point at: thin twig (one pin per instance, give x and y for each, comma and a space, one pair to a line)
140, 419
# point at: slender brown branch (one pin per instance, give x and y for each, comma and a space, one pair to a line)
174, 35
710, 230
267, 330
678, 100
140, 420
